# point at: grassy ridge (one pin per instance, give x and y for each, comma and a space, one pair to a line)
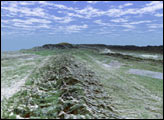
63, 88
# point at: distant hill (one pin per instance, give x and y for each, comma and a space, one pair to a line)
150, 49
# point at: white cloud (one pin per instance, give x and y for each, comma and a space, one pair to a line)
66, 20
24, 3
73, 28
128, 4
11, 9
26, 24
33, 12
152, 7
149, 8
44, 2
127, 30
74, 15
3, 3
32, 20
25, 11
89, 12
128, 26
54, 6
159, 15
4, 21
30, 27
113, 12
86, 13
101, 23
119, 20
43, 16
153, 3
92, 2
125, 5
150, 30
140, 22
62, 19
63, 7
154, 26
56, 18
71, 14
104, 32
43, 26
76, 27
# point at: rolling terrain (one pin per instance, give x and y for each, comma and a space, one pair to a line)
83, 81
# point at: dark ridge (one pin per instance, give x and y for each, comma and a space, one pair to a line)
59, 46
150, 49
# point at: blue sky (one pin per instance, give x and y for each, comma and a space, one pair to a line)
25, 24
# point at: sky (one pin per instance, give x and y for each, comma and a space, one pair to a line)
26, 24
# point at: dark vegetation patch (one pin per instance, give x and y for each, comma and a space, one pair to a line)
63, 88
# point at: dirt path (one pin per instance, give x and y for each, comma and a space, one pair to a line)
7, 92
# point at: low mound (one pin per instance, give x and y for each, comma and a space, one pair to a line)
64, 88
